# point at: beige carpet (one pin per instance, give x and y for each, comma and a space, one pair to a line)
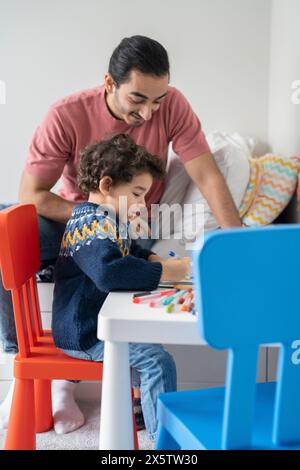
85, 438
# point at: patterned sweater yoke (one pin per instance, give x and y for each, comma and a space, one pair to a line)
96, 257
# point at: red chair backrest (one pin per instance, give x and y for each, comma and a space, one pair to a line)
20, 260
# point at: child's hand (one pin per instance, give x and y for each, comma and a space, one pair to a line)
175, 270
154, 258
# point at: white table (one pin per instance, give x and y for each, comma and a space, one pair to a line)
119, 323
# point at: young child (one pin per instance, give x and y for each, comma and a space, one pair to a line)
97, 256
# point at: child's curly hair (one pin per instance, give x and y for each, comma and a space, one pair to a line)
120, 158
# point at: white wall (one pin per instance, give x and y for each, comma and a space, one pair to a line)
284, 111
219, 53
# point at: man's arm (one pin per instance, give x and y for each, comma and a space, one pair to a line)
206, 175
35, 190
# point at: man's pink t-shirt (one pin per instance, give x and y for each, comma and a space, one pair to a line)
84, 118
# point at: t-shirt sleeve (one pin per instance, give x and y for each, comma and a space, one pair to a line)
185, 131
50, 148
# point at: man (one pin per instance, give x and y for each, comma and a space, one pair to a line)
136, 99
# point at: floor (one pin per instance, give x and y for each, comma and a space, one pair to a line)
85, 438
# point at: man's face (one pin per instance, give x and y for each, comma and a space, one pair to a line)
136, 101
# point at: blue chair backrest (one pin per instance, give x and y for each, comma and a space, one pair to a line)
247, 285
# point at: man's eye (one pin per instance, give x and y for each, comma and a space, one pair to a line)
141, 102
136, 195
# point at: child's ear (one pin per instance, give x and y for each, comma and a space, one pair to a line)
105, 185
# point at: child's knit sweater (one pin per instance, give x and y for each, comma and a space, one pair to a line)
95, 259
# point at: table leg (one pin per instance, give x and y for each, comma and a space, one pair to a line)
116, 427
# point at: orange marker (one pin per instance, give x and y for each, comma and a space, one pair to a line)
145, 298
188, 300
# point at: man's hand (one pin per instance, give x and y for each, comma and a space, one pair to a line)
34, 190
205, 173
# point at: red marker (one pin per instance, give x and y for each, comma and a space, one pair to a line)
145, 298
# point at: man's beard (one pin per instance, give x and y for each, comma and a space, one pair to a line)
124, 112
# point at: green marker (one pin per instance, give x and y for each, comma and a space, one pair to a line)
172, 297
170, 308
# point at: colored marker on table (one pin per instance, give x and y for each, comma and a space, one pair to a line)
185, 284
193, 310
159, 302
186, 305
166, 300
149, 292
170, 308
182, 299
170, 301
145, 298
175, 296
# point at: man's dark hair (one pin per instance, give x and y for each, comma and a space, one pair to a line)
138, 53
120, 158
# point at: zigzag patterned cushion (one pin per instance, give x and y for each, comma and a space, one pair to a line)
272, 183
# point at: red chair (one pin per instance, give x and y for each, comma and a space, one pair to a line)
38, 361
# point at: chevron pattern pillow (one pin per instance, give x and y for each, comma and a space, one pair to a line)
272, 183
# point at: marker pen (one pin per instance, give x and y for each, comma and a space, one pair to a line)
172, 254
149, 292
145, 298
170, 299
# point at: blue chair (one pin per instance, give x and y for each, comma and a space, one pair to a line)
247, 285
